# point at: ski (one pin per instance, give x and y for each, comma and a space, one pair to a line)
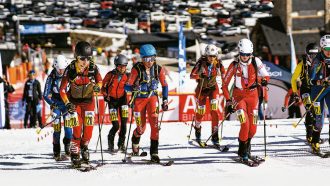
322, 154
84, 167
218, 147
257, 159
167, 163
249, 163
200, 143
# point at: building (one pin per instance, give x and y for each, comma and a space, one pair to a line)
308, 21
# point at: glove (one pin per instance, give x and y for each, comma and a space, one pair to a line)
165, 105
96, 88
230, 106
283, 109
71, 108
325, 83
264, 82
202, 76
53, 106
106, 99
296, 98
264, 105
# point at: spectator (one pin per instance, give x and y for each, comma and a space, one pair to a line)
295, 108
32, 96
8, 88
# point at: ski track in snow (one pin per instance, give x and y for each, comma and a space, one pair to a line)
25, 160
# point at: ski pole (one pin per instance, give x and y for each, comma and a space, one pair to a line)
221, 124
264, 113
98, 115
193, 120
130, 124
284, 108
161, 119
98, 139
43, 126
296, 124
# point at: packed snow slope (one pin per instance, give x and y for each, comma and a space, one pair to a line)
25, 160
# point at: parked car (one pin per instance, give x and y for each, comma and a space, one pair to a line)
209, 20
157, 16
230, 31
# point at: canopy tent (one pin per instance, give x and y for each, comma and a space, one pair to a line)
98, 38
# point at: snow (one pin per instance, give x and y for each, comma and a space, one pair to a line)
24, 160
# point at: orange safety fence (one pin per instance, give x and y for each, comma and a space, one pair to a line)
19, 73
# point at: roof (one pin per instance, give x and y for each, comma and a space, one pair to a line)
278, 40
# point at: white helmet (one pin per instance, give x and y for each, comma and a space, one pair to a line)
325, 41
60, 62
211, 50
245, 46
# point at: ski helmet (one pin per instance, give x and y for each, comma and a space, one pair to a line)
312, 48
83, 48
211, 50
147, 50
60, 62
245, 46
325, 41
121, 60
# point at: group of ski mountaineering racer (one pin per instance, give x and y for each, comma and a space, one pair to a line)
72, 88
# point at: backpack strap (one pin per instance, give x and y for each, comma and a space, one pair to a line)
254, 63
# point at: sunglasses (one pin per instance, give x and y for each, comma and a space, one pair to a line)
326, 48
121, 66
212, 56
244, 54
83, 58
149, 59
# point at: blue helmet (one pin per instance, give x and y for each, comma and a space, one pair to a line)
147, 50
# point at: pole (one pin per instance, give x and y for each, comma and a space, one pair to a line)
98, 115
192, 122
98, 139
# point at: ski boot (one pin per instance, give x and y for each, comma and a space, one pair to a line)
121, 144
57, 152
154, 151
316, 148
75, 160
111, 139
215, 139
198, 132
243, 151
67, 145
316, 141
135, 145
84, 154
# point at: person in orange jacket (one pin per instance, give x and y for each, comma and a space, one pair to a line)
114, 94
84, 79
206, 70
290, 97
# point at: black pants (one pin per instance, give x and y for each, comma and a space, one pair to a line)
294, 109
31, 112
116, 104
7, 119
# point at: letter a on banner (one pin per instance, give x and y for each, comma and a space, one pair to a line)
182, 60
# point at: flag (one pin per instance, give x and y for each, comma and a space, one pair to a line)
293, 53
182, 59
2, 99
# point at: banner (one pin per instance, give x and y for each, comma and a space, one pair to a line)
181, 108
182, 60
293, 53
2, 99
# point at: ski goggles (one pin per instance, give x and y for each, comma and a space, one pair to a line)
149, 59
83, 58
244, 54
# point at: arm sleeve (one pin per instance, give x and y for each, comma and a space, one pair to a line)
313, 72
163, 82
98, 77
131, 80
64, 84
226, 80
105, 83
47, 91
39, 90
262, 69
194, 73
295, 76
287, 97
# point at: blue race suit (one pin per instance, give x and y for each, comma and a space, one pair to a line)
52, 97
320, 71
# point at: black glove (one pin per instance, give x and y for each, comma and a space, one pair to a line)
165, 105
325, 83
53, 106
283, 109
230, 106
96, 88
264, 82
1, 80
296, 98
71, 108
